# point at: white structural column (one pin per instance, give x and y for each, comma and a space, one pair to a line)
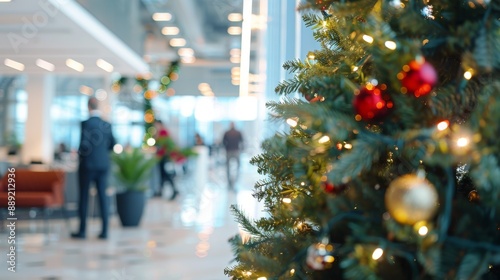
287, 38
38, 144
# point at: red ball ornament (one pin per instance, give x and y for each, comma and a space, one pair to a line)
328, 187
307, 93
418, 77
316, 99
371, 103
323, 4
312, 97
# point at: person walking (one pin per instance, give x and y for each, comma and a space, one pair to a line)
233, 144
96, 143
164, 143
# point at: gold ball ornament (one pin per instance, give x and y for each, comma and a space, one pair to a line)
410, 199
473, 196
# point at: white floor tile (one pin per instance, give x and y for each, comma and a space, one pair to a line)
184, 239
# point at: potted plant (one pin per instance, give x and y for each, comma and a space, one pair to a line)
132, 170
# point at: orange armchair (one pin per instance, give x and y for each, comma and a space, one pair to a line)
34, 189
41, 189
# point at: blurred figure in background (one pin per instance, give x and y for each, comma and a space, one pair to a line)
60, 151
233, 144
198, 141
164, 143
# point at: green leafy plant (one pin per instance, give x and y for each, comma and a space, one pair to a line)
133, 168
173, 152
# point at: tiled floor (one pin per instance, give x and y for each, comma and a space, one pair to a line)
184, 239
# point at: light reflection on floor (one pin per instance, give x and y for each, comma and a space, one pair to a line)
184, 239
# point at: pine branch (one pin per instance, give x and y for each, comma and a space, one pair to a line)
246, 224
293, 66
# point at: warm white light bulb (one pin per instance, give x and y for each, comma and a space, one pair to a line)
390, 45
423, 230
291, 122
368, 39
324, 139
151, 142
443, 125
463, 141
377, 253
468, 75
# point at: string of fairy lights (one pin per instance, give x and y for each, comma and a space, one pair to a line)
143, 86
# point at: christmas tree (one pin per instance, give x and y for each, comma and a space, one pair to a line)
390, 168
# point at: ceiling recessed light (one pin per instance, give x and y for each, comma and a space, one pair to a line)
4, 1
235, 17
170, 30
162, 16
177, 42
104, 65
235, 71
235, 52
234, 30
75, 65
204, 87
235, 59
188, 59
86, 90
186, 52
14, 64
45, 65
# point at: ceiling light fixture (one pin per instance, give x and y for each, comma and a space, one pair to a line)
204, 87
104, 65
186, 52
86, 90
177, 42
170, 30
75, 65
235, 52
235, 59
4, 1
45, 65
162, 16
234, 30
234, 17
188, 59
14, 64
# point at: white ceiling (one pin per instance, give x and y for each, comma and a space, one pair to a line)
57, 30
203, 23
65, 30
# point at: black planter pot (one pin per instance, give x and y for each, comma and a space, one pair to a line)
130, 206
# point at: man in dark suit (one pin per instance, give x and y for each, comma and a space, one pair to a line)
94, 155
